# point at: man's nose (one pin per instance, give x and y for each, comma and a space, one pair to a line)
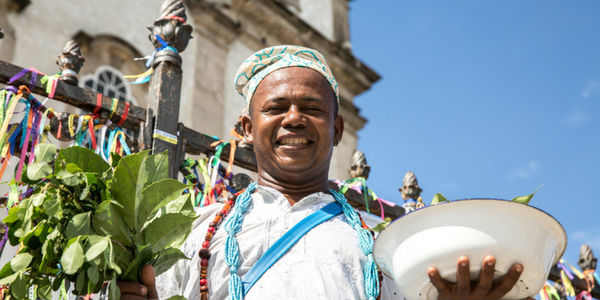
294, 117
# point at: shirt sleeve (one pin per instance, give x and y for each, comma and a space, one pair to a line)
180, 278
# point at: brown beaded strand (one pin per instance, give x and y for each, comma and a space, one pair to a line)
204, 252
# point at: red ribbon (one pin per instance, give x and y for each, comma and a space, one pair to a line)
124, 116
92, 134
98, 104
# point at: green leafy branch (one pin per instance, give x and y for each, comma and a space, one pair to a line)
89, 222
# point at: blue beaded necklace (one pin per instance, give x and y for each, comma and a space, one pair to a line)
232, 251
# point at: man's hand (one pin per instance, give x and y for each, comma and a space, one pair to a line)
484, 288
134, 291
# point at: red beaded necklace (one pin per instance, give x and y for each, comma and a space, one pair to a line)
204, 252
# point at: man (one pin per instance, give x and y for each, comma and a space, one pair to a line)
293, 123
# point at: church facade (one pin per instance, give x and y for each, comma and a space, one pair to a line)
112, 33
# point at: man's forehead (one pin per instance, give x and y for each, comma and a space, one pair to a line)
294, 82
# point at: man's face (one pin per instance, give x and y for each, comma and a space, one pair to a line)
293, 126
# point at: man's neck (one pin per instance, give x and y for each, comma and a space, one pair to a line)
294, 191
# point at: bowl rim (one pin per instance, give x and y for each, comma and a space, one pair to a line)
442, 204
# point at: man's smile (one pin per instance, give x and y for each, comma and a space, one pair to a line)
292, 140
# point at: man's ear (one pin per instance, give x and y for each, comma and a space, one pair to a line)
339, 129
247, 128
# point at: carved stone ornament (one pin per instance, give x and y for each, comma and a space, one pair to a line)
587, 260
410, 187
70, 62
359, 166
240, 181
171, 27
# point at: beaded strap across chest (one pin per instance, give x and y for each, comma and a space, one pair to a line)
238, 207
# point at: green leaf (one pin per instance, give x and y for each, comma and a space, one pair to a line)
114, 159
84, 158
527, 198
438, 198
44, 291
19, 287
177, 297
154, 168
38, 170
78, 225
166, 259
80, 283
143, 256
72, 258
6, 271
381, 226
97, 249
70, 179
58, 281
124, 184
167, 230
13, 214
38, 199
93, 274
53, 209
107, 221
45, 152
73, 168
160, 192
9, 279
113, 289
117, 257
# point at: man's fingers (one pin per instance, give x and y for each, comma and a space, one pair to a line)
132, 288
505, 283
463, 276
440, 284
149, 280
486, 275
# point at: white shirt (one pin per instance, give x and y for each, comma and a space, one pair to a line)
326, 263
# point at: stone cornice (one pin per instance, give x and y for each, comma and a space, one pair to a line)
284, 27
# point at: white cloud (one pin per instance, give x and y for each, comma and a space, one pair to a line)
577, 117
591, 88
524, 172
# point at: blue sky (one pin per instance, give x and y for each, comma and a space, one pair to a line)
486, 99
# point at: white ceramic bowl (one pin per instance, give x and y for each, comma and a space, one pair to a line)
436, 236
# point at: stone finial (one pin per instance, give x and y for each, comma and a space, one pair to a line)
240, 181
410, 187
359, 166
173, 31
587, 260
70, 62
171, 8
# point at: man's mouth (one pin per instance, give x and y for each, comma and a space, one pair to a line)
292, 141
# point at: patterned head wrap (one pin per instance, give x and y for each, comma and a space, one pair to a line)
262, 63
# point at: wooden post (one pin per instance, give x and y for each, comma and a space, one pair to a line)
165, 89
169, 35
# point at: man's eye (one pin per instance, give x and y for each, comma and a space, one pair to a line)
273, 109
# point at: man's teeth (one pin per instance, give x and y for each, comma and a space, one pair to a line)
294, 141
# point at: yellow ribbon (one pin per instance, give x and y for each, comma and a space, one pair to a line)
148, 72
70, 123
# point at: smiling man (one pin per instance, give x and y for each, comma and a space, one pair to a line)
268, 245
